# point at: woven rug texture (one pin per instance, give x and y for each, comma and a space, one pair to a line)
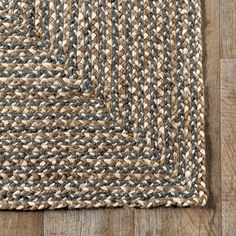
101, 104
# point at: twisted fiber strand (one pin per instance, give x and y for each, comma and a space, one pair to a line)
57, 80
186, 93
11, 13
4, 5
29, 28
102, 104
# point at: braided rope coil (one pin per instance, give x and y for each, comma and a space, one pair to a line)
101, 104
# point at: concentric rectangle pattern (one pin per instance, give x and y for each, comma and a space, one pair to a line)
101, 104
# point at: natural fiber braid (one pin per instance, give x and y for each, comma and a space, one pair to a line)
101, 104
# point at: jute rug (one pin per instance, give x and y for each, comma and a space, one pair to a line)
101, 104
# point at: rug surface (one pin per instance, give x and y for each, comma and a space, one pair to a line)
101, 104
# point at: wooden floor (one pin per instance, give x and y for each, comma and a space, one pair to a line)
219, 216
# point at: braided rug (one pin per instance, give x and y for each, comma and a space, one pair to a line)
101, 104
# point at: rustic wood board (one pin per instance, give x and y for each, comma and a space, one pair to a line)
228, 29
228, 151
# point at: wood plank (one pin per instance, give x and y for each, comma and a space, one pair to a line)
61, 222
188, 222
148, 222
75, 222
121, 222
14, 223
228, 151
93, 222
210, 217
228, 205
228, 28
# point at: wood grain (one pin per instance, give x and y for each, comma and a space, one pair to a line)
122, 222
148, 222
99, 222
82, 222
228, 29
228, 154
14, 223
